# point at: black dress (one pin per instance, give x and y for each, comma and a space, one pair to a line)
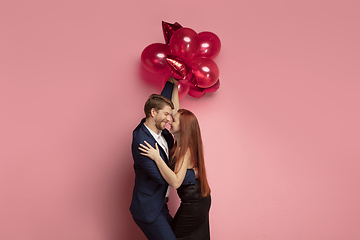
191, 221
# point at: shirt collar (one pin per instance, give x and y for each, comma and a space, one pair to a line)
155, 135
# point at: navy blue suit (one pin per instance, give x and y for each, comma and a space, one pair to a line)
148, 206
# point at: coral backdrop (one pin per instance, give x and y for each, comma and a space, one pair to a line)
281, 134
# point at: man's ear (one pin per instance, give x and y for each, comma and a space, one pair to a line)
153, 112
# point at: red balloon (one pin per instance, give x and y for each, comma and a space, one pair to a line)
210, 45
183, 89
196, 93
178, 69
169, 29
153, 57
213, 88
184, 43
205, 71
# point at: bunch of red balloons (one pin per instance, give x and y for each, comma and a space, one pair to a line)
188, 57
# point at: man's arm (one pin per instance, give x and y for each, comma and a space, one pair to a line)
168, 88
175, 97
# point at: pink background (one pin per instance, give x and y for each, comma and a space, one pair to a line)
281, 134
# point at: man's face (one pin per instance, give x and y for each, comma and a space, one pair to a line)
162, 117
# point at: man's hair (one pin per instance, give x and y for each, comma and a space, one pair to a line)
157, 102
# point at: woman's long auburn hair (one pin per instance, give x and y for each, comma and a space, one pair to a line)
190, 138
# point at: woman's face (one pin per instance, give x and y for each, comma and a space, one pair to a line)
175, 124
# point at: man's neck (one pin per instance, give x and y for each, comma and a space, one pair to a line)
150, 124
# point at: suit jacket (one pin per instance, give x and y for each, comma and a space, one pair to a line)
150, 187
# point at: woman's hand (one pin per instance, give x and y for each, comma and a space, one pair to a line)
149, 151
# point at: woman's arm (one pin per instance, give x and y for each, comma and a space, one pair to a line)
175, 96
173, 179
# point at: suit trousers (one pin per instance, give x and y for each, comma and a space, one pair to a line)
159, 229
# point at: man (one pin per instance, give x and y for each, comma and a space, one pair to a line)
149, 201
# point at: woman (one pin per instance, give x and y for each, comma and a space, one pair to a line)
191, 220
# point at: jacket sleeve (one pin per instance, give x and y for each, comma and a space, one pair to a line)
167, 90
147, 164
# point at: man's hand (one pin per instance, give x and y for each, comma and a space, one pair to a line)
172, 80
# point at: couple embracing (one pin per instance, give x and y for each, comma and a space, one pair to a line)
159, 161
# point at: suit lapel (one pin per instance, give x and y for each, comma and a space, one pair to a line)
164, 154
168, 137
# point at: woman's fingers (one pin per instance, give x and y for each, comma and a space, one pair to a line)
147, 148
142, 150
148, 144
143, 146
